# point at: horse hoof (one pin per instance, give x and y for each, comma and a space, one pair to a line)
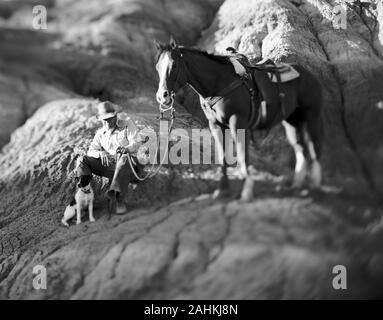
246, 196
315, 187
220, 194
297, 185
315, 184
315, 178
247, 190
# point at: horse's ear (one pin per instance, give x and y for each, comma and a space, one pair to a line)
173, 43
157, 45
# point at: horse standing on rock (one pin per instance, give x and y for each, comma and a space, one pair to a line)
234, 102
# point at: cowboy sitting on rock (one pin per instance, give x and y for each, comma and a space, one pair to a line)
101, 155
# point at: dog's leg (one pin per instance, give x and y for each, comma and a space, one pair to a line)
90, 208
70, 212
64, 222
78, 209
65, 217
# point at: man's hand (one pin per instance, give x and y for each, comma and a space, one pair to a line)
123, 150
104, 158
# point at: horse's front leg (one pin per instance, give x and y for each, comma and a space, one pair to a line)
241, 139
219, 138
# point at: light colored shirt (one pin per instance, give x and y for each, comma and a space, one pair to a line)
126, 134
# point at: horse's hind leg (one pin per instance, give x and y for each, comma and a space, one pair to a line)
294, 134
310, 100
219, 138
241, 140
313, 140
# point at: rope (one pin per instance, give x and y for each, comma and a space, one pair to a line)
153, 172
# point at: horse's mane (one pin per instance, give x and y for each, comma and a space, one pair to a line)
218, 58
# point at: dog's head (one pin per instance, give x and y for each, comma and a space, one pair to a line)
83, 182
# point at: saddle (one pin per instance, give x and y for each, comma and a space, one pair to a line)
264, 81
286, 71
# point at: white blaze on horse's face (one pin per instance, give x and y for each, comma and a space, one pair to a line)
164, 67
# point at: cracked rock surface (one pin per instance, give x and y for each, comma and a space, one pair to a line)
176, 241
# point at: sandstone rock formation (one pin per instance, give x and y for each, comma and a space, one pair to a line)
348, 61
175, 241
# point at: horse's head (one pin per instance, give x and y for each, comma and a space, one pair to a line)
169, 65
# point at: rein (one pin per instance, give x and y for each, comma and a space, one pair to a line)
211, 101
152, 172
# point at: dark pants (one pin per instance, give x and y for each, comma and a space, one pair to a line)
119, 174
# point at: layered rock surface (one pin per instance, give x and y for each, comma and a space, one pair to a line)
175, 241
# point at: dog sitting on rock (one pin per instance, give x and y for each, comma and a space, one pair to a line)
83, 199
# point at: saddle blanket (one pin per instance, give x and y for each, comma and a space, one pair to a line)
287, 73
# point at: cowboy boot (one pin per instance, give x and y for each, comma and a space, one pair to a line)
112, 203
113, 189
112, 195
120, 207
116, 206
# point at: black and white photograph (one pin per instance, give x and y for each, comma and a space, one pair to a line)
191, 150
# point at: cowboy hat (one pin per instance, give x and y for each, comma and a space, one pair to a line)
106, 110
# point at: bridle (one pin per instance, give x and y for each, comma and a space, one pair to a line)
162, 109
206, 101
180, 65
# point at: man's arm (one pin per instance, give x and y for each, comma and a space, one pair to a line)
134, 137
95, 147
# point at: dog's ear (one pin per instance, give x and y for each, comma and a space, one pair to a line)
172, 43
85, 180
158, 45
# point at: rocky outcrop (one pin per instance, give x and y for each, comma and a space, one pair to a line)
348, 62
25, 87
175, 241
104, 51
